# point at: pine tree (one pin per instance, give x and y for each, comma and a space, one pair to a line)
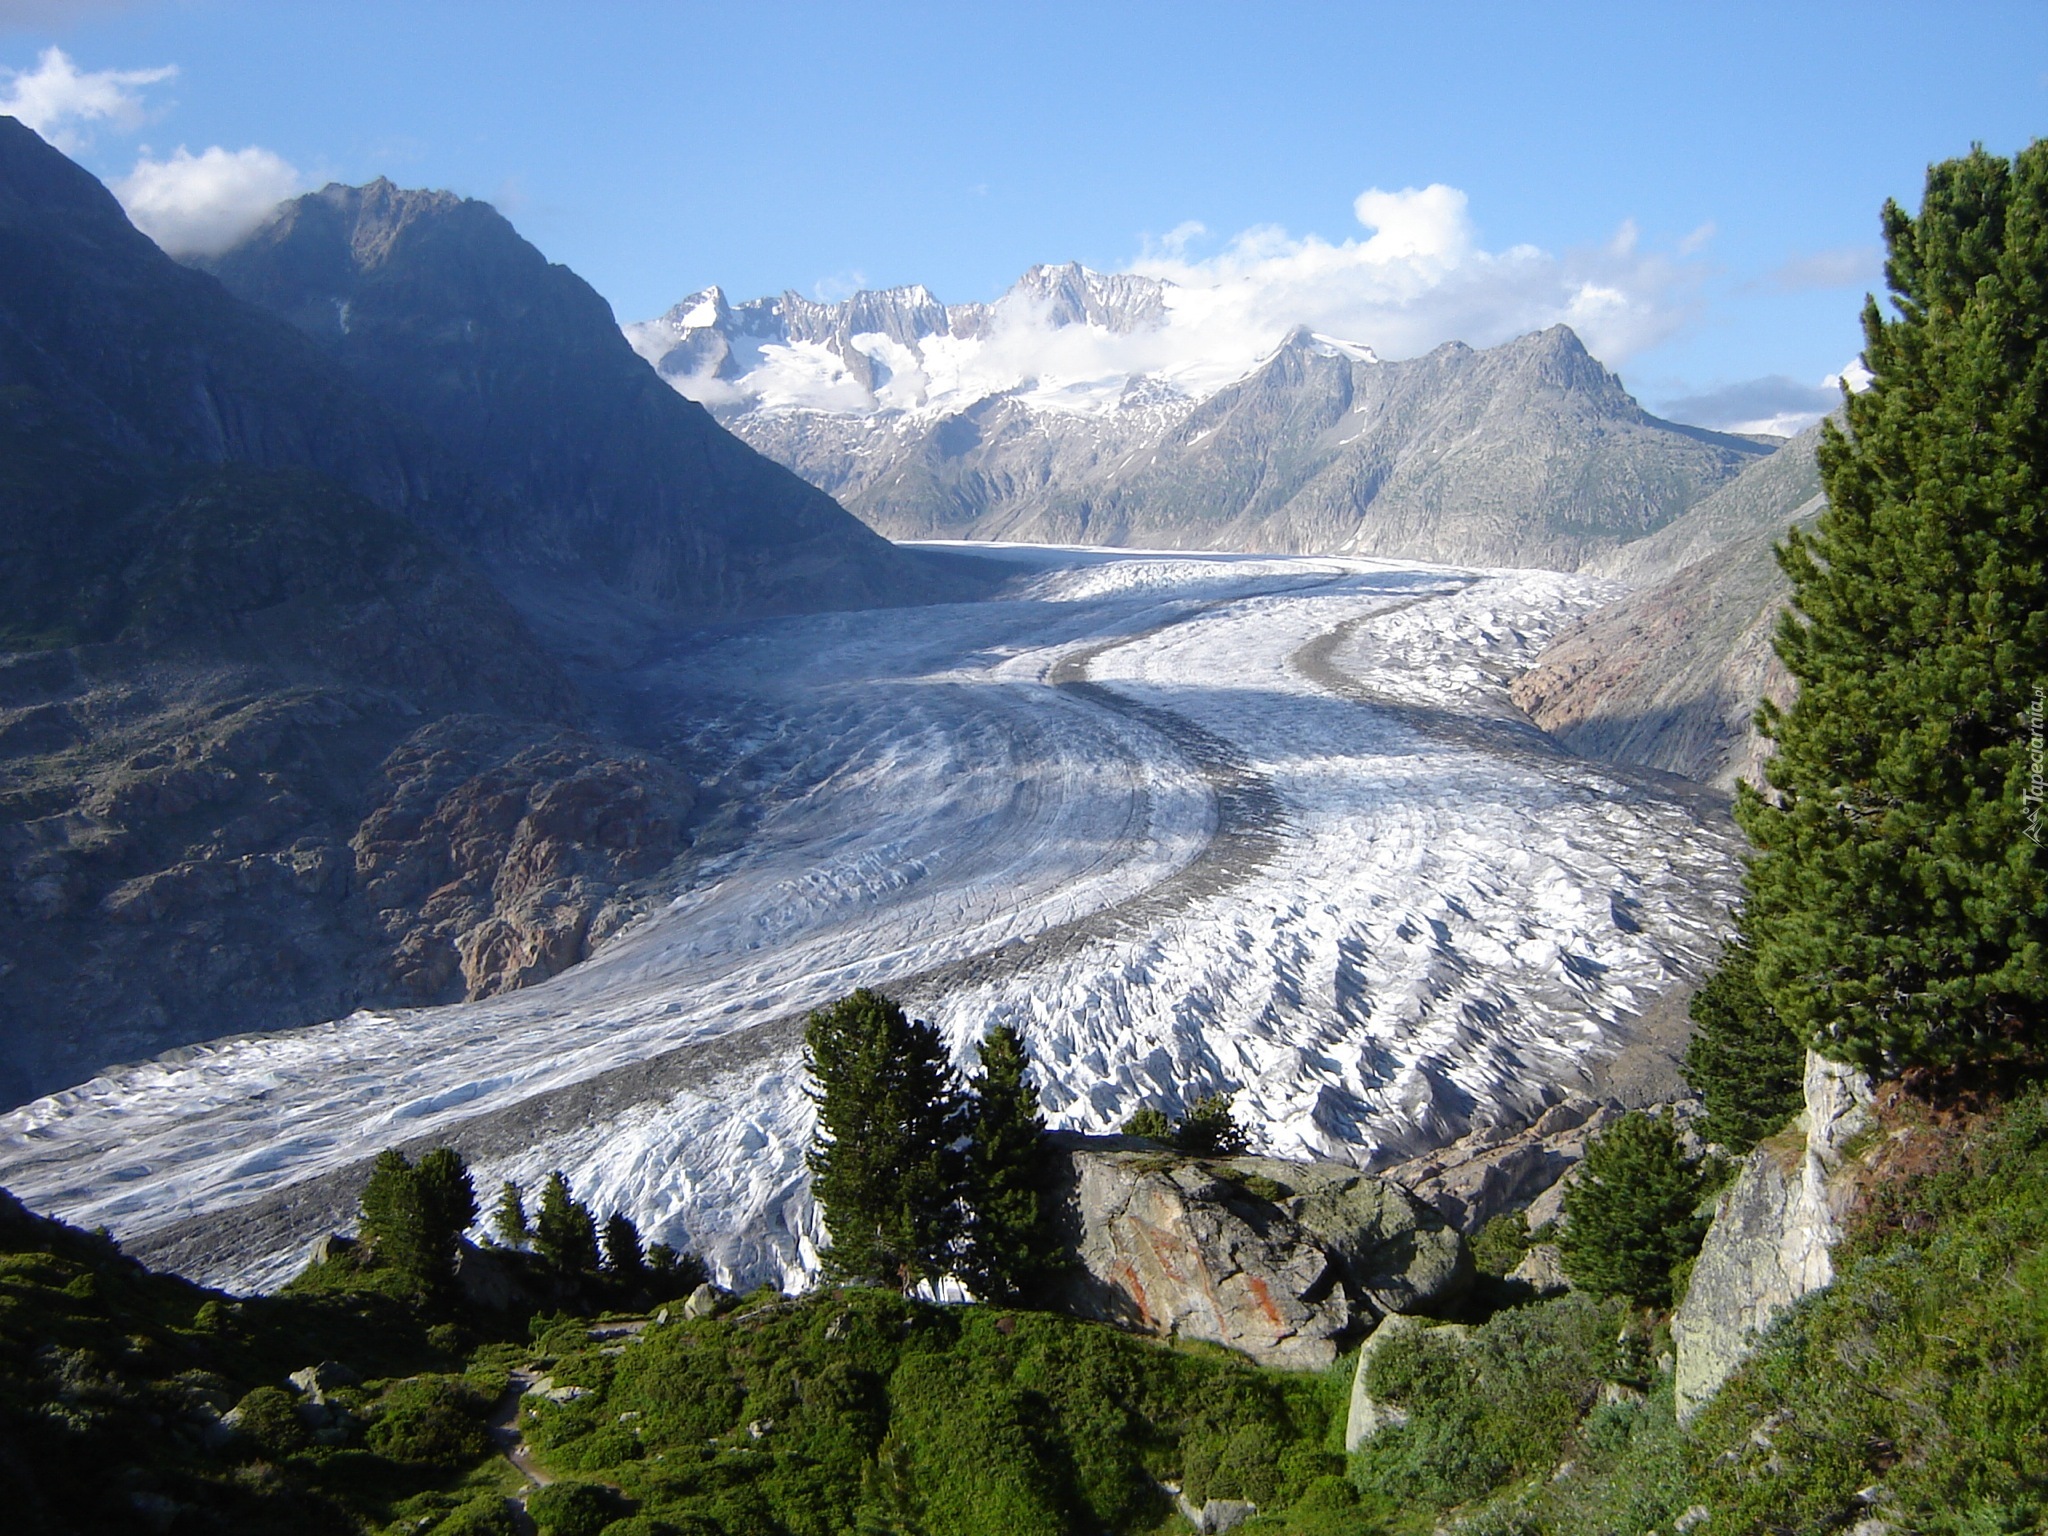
508, 1217
1897, 895
414, 1214
393, 1223
448, 1204
1210, 1129
1150, 1122
883, 1168
1629, 1216
1742, 1060
622, 1255
1012, 1247
564, 1232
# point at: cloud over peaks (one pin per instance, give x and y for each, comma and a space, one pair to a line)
62, 102
1419, 277
199, 205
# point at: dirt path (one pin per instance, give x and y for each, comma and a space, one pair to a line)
504, 1432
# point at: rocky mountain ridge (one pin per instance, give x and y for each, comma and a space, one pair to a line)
1063, 413
584, 472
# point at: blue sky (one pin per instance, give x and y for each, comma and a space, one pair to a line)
1710, 174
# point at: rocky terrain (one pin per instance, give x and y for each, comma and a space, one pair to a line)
272, 745
1044, 417
1286, 1261
1669, 676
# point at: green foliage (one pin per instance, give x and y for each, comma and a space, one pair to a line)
508, 1217
267, 1419
574, 1509
1500, 1405
111, 1378
1897, 895
1631, 1214
1912, 1390
564, 1232
883, 1169
1151, 1123
1210, 1129
1499, 1245
413, 1215
1012, 1246
1741, 1060
862, 1410
431, 1421
622, 1255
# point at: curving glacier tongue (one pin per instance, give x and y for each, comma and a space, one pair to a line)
1190, 823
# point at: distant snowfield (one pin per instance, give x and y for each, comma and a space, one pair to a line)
1190, 822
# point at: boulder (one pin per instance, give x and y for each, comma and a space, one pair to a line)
316, 1381
1218, 1515
702, 1302
1542, 1270
1368, 1416
1279, 1259
1773, 1233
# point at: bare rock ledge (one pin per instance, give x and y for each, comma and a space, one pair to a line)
1285, 1261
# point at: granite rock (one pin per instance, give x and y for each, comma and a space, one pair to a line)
1282, 1260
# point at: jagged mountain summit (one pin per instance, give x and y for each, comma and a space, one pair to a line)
588, 474
1081, 407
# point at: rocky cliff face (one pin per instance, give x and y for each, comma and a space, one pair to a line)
1282, 1260
585, 467
268, 749
1669, 676
1049, 416
1773, 1233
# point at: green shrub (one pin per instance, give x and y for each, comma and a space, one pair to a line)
1150, 1123
647, 1525
431, 1421
1498, 1246
1632, 1213
268, 1419
1742, 1060
484, 1515
573, 1509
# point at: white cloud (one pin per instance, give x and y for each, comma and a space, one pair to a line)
199, 205
1852, 266
1420, 278
60, 101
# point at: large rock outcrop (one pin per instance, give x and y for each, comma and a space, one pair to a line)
1773, 1233
1282, 1260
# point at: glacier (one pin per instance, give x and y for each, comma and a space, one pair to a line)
1267, 825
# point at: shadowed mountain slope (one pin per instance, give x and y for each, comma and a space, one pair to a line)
1670, 675
587, 464
269, 749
